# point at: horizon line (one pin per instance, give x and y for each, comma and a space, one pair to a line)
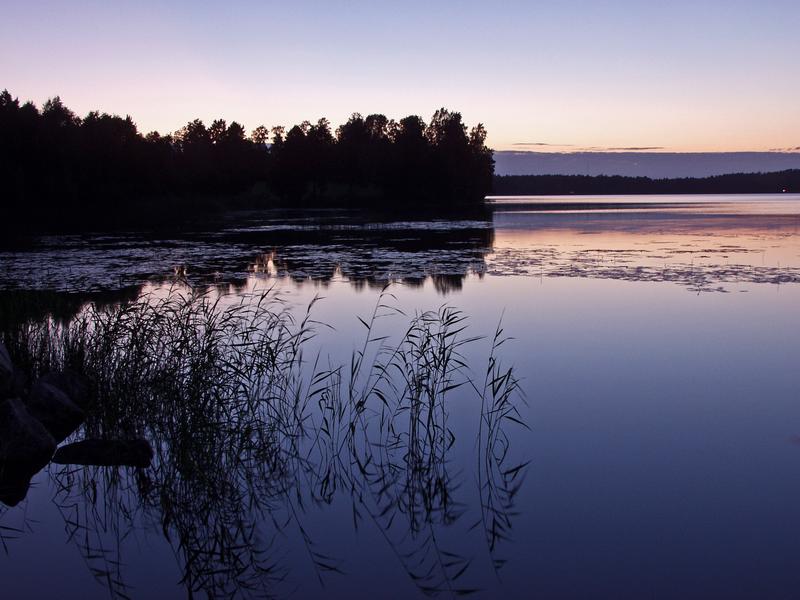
647, 151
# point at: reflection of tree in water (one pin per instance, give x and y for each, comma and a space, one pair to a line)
245, 441
376, 256
358, 248
20, 306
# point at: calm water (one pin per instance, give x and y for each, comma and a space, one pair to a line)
658, 339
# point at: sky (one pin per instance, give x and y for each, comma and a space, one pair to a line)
567, 75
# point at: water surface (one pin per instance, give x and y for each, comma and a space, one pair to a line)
657, 339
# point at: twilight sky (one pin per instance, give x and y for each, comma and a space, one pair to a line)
678, 75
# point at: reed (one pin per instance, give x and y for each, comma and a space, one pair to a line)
248, 432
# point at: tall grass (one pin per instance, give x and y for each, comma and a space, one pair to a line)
248, 431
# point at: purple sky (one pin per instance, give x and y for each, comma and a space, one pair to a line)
700, 75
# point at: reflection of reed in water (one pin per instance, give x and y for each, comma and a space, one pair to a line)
247, 434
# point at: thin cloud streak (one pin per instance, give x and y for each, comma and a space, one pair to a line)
635, 148
542, 144
574, 148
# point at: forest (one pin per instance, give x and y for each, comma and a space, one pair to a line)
62, 170
734, 183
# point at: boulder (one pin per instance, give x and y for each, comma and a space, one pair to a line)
25, 448
19, 384
14, 488
106, 453
54, 409
6, 372
73, 384
22, 437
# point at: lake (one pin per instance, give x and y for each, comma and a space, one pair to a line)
654, 449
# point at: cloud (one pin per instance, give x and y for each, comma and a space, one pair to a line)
635, 148
538, 144
587, 148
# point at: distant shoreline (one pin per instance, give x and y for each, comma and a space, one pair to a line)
578, 185
700, 205
656, 165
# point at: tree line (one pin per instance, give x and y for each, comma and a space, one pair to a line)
59, 166
735, 183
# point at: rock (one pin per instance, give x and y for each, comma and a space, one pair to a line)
6, 372
22, 437
25, 448
73, 384
53, 408
19, 384
13, 489
106, 453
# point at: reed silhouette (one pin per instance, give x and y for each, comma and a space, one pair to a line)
249, 433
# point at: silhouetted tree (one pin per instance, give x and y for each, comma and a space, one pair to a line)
217, 131
733, 183
260, 136
60, 167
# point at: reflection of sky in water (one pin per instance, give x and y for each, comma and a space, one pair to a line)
698, 251
746, 204
662, 422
